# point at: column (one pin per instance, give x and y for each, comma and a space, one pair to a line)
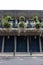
14, 45
40, 44
27, 44
3, 45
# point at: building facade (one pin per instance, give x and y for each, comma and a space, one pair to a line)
26, 42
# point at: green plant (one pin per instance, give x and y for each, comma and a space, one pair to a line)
3, 19
8, 17
5, 22
7, 25
21, 18
21, 27
41, 24
37, 25
35, 18
22, 24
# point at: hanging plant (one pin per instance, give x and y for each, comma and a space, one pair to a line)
3, 20
21, 18
21, 27
6, 24
35, 18
37, 24
9, 18
38, 27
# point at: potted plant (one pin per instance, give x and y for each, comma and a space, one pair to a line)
38, 27
3, 20
21, 18
6, 24
21, 27
35, 18
21, 24
37, 24
8, 17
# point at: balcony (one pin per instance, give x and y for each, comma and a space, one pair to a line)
29, 29
15, 31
